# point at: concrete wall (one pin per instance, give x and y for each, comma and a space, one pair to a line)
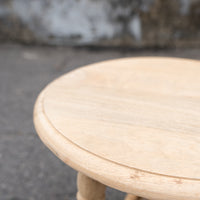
137, 23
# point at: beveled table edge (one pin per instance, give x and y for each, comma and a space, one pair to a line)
130, 180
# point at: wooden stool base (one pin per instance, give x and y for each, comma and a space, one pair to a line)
131, 197
89, 189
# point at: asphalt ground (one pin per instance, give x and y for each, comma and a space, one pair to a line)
28, 170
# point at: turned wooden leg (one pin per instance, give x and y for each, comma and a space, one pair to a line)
89, 189
131, 197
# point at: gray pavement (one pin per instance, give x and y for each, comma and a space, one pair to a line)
28, 170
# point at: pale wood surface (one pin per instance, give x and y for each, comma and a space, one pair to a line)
89, 189
131, 197
132, 124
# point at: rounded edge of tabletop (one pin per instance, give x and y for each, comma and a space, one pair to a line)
130, 180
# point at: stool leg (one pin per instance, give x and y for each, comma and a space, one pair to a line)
131, 197
89, 189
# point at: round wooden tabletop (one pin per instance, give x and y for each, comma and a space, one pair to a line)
132, 124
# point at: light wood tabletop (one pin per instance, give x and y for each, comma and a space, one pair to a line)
132, 124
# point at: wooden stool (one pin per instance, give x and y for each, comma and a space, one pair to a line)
132, 124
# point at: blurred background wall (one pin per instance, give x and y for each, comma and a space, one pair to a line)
135, 23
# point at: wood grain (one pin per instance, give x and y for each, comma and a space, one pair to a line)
132, 124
